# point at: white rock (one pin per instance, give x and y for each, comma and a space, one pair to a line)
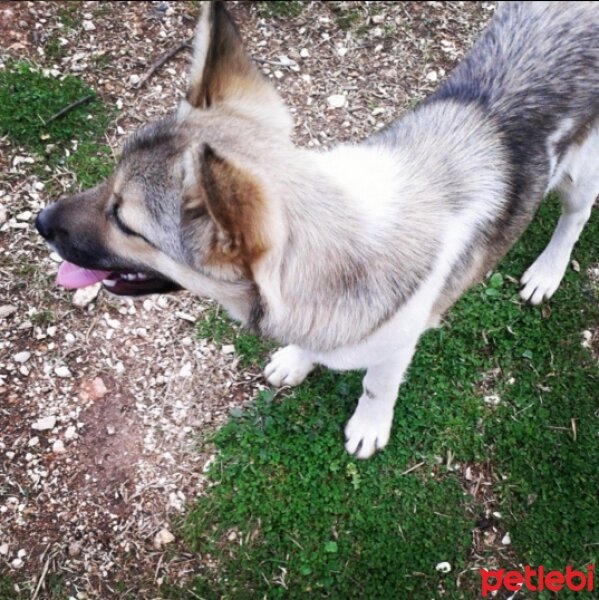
305, 53
58, 447
185, 370
3, 549
22, 357
337, 101
70, 433
24, 216
506, 540
86, 295
22, 553
56, 257
44, 423
88, 26
62, 372
10, 455
34, 441
443, 567
3, 215
432, 76
6, 310
341, 52
113, 323
134, 79
110, 430
228, 349
162, 538
492, 400
69, 338
17, 563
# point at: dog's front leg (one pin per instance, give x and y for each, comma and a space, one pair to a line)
289, 366
369, 428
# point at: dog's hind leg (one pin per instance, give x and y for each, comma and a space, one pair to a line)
578, 188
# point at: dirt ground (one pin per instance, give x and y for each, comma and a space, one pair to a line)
102, 406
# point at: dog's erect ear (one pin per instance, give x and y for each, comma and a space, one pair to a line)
222, 72
236, 204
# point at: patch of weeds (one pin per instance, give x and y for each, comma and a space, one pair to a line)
43, 318
7, 589
28, 100
67, 15
216, 326
54, 51
312, 521
280, 8
347, 19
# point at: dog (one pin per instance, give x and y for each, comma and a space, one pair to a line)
347, 256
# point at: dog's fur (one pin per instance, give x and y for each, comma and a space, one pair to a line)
349, 255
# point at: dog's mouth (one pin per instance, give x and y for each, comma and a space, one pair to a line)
121, 283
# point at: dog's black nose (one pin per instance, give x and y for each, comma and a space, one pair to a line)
43, 223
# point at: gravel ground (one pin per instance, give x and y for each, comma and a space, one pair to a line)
103, 401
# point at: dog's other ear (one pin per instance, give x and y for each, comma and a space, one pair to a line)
222, 72
236, 205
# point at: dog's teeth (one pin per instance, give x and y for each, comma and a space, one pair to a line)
109, 282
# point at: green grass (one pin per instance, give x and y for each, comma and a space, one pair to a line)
281, 8
28, 101
308, 519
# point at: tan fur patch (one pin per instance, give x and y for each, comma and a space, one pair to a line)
236, 204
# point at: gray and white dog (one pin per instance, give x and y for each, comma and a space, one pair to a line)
349, 255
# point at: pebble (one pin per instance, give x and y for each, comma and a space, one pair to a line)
22, 357
228, 349
58, 447
62, 372
17, 563
110, 430
3, 215
34, 441
70, 433
69, 338
443, 567
44, 423
337, 100
3, 549
22, 553
134, 79
74, 549
162, 538
84, 296
88, 26
432, 76
506, 540
492, 400
305, 53
6, 310
24, 216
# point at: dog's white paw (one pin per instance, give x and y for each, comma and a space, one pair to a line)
288, 366
367, 431
542, 279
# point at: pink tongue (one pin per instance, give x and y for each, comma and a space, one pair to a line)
73, 277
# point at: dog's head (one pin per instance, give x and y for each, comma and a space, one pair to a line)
187, 201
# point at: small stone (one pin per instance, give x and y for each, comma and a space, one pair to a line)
74, 549
62, 372
337, 101
17, 563
3, 549
110, 430
492, 400
22, 357
88, 26
185, 316
6, 310
185, 370
432, 76
342, 51
24, 216
232, 536
134, 79
575, 266
113, 323
70, 433
44, 423
86, 295
305, 53
34, 441
94, 390
228, 349
22, 553
278, 74
3, 215
506, 540
443, 567
58, 447
69, 338
162, 538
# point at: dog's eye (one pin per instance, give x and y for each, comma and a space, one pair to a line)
119, 222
